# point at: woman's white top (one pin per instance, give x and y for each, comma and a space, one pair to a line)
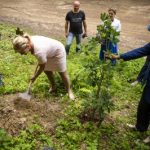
116, 24
50, 52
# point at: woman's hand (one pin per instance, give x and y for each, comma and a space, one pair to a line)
39, 69
33, 79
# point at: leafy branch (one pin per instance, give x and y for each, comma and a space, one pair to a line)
105, 32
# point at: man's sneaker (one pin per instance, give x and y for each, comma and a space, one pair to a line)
132, 127
147, 140
134, 83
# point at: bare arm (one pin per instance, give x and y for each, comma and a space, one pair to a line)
85, 27
66, 28
38, 71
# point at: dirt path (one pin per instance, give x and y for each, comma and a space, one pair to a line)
46, 17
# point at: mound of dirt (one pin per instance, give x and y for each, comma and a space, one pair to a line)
16, 114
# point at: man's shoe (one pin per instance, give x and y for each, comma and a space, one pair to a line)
52, 90
132, 127
147, 140
134, 83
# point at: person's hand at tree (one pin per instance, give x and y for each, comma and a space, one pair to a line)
111, 56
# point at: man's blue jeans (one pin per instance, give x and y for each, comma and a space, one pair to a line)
70, 39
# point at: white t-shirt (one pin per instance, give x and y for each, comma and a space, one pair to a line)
116, 24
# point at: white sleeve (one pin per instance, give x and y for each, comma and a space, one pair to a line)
101, 23
42, 59
119, 26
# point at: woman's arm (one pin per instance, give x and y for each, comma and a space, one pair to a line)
38, 71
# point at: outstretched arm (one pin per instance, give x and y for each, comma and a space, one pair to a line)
136, 53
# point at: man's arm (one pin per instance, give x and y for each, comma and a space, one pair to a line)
85, 27
66, 28
148, 27
133, 54
136, 53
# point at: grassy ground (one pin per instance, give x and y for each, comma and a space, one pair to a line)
70, 133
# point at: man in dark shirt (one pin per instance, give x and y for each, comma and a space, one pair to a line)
73, 26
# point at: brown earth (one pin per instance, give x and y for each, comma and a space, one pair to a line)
16, 114
47, 17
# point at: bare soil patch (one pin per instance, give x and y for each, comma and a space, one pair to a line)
16, 115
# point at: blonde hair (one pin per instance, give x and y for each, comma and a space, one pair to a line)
20, 42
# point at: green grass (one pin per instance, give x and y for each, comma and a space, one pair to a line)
70, 133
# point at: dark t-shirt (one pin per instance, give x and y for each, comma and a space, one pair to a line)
75, 20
